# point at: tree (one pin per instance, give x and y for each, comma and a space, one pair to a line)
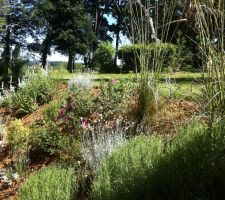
3, 10
103, 57
18, 25
43, 37
119, 10
71, 29
98, 10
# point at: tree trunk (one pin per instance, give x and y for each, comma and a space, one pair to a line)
70, 62
117, 40
152, 34
96, 23
97, 17
44, 57
7, 53
73, 64
46, 45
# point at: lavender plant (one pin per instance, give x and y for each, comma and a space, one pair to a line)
83, 81
100, 140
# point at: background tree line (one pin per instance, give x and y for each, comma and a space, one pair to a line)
77, 27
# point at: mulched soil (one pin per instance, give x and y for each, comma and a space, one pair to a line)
172, 115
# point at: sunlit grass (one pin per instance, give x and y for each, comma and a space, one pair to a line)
64, 75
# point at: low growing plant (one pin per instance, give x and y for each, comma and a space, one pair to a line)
189, 167
50, 183
99, 141
18, 135
44, 140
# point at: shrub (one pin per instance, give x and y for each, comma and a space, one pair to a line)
100, 142
195, 167
50, 183
17, 135
44, 139
130, 54
83, 107
190, 167
37, 90
51, 112
125, 174
111, 96
103, 57
79, 104
70, 150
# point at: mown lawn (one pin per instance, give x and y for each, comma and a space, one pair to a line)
180, 84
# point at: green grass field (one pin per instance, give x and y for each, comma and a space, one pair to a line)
180, 84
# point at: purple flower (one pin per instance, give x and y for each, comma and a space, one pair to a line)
62, 112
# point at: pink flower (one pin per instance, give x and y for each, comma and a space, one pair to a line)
85, 123
114, 81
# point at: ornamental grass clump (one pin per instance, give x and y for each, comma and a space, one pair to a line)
83, 81
146, 21
210, 22
50, 183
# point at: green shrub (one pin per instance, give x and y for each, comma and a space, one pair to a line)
130, 54
125, 174
192, 166
50, 183
78, 104
70, 150
44, 139
103, 57
37, 90
17, 135
51, 112
82, 106
18, 138
195, 165
111, 96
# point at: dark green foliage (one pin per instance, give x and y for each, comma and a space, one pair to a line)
50, 183
18, 62
18, 26
103, 58
130, 54
190, 167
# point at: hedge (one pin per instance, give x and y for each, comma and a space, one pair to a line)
130, 55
